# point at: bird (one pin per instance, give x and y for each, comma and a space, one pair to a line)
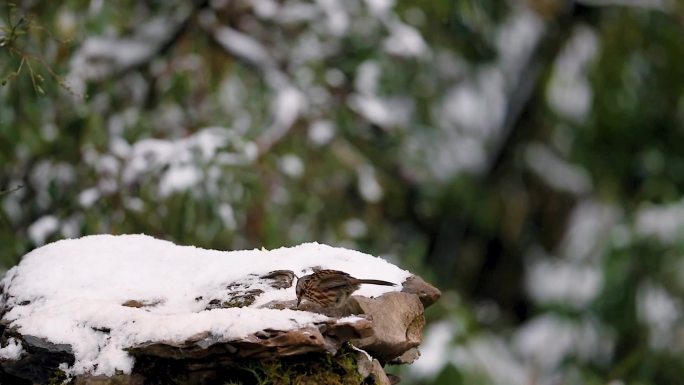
331, 288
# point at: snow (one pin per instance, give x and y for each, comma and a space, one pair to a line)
369, 187
334, 77
558, 173
380, 7
405, 41
569, 92
367, 77
490, 354
321, 132
661, 312
662, 222
243, 46
88, 197
265, 9
287, 106
516, 39
100, 56
336, 15
591, 223
76, 288
355, 228
477, 107
112, 53
180, 162
227, 215
564, 281
385, 112
531, 355
548, 340
179, 178
455, 153
12, 351
43, 228
435, 350
291, 165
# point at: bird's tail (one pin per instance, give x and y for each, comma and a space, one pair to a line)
375, 282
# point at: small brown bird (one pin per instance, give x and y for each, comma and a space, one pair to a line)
331, 288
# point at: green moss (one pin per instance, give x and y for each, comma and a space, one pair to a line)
58, 377
312, 369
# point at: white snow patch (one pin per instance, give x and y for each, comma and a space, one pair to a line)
591, 223
179, 178
265, 9
446, 153
227, 215
43, 228
569, 92
367, 77
180, 162
405, 41
563, 282
662, 313
321, 132
100, 56
335, 77
379, 7
664, 223
12, 351
291, 165
369, 187
476, 106
88, 197
548, 340
288, 104
517, 38
337, 17
557, 172
244, 46
385, 112
83, 283
355, 228
492, 356
435, 350
71, 227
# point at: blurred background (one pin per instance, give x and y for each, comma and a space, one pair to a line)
526, 157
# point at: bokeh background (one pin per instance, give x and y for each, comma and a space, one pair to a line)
527, 157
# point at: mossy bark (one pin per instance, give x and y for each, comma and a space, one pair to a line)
307, 369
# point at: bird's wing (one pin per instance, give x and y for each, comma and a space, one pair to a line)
333, 282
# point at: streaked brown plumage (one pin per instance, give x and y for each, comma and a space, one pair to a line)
330, 288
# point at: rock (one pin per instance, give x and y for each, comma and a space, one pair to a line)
241, 293
119, 379
280, 305
228, 322
40, 359
408, 357
378, 374
370, 367
324, 337
141, 303
236, 298
427, 293
279, 279
397, 323
394, 380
